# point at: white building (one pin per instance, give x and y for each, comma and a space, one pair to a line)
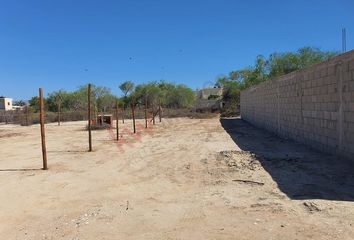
5, 103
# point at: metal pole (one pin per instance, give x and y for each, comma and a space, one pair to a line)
146, 120
41, 117
89, 116
117, 127
133, 114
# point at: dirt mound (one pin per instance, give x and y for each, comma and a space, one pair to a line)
239, 160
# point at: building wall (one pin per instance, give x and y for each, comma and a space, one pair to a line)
314, 106
206, 92
6, 104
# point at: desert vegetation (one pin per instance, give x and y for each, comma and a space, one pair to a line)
264, 69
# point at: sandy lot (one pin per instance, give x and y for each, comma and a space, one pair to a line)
182, 179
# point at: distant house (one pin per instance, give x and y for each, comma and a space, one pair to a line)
209, 99
6, 103
209, 93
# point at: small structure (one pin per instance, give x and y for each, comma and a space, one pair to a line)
5, 103
14, 107
208, 105
209, 99
105, 120
209, 93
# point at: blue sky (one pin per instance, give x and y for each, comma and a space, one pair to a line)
67, 43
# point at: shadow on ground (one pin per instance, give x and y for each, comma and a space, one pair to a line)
20, 169
301, 173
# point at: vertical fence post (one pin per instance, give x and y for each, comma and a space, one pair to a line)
89, 116
133, 115
117, 118
160, 109
146, 120
41, 117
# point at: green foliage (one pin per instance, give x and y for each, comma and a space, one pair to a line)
149, 92
284, 63
127, 87
19, 103
212, 97
276, 65
170, 95
180, 97
54, 98
101, 97
34, 103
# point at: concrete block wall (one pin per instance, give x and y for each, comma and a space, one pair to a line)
314, 106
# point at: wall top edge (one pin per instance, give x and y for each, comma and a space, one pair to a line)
330, 62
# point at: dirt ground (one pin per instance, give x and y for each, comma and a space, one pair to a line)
181, 179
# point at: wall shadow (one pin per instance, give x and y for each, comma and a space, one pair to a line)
301, 173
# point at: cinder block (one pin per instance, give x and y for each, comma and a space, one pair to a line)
351, 65
331, 70
351, 86
346, 75
307, 106
351, 106
349, 117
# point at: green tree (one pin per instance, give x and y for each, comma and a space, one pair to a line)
180, 96
55, 98
102, 98
283, 63
276, 65
170, 95
19, 103
34, 103
127, 87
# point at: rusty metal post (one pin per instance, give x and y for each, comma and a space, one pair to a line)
133, 115
146, 119
117, 127
89, 116
160, 109
41, 117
